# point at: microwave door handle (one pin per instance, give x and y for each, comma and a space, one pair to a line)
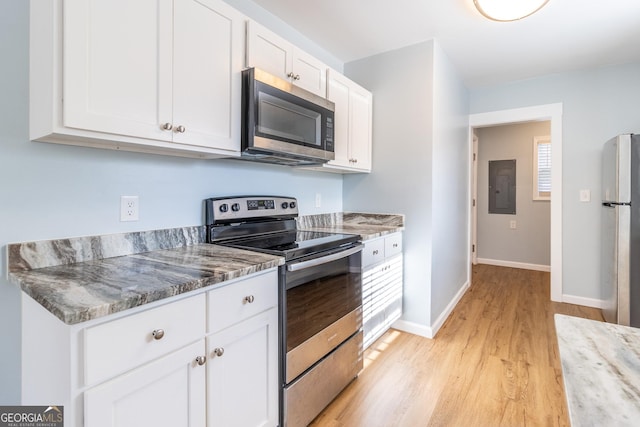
325, 259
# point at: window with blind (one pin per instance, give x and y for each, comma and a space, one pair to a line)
542, 168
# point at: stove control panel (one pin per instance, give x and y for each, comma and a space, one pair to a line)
235, 209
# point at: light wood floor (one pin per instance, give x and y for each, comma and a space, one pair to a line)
493, 363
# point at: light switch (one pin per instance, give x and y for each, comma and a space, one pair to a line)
585, 195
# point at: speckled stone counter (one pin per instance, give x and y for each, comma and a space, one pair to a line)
601, 369
367, 225
84, 278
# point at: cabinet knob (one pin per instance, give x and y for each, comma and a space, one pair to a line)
395, 245
218, 351
297, 77
248, 299
158, 334
375, 252
201, 360
291, 75
181, 129
167, 126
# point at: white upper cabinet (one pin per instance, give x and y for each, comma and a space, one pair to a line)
144, 75
208, 57
277, 56
353, 121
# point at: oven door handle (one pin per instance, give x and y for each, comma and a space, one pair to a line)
325, 259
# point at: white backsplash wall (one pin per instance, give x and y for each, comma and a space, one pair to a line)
52, 191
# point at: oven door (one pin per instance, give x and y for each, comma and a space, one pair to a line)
322, 304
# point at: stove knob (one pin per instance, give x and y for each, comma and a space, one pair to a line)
235, 207
292, 205
224, 207
285, 205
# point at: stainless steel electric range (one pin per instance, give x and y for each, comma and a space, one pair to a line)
320, 305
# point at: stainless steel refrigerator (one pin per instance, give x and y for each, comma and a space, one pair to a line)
620, 269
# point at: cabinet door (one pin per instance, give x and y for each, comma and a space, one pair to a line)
338, 93
360, 115
309, 72
277, 56
268, 51
243, 379
168, 392
117, 66
208, 46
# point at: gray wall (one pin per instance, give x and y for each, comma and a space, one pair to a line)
597, 105
530, 242
53, 191
420, 169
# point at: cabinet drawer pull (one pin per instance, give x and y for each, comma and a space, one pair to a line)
158, 334
218, 351
248, 299
201, 360
167, 126
181, 129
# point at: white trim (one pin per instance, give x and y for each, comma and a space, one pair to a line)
552, 112
513, 264
431, 331
587, 302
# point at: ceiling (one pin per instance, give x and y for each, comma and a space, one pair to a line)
564, 35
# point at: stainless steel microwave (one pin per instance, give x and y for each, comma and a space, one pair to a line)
284, 124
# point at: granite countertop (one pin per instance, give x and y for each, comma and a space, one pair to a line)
601, 369
367, 225
76, 281
83, 278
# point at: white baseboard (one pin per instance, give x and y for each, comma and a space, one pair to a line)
413, 328
431, 331
587, 302
513, 264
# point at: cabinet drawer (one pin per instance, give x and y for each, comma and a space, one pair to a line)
393, 245
373, 252
240, 300
122, 344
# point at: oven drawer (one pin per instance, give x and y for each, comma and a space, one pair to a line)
240, 300
311, 393
306, 354
125, 343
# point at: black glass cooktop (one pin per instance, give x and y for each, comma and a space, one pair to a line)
295, 244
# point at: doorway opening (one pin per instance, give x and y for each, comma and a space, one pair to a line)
552, 113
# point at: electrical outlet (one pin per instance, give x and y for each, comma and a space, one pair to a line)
512, 224
129, 208
318, 200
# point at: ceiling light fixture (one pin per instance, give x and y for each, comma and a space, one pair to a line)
508, 10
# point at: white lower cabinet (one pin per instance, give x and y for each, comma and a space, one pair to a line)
382, 281
208, 359
166, 392
242, 374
